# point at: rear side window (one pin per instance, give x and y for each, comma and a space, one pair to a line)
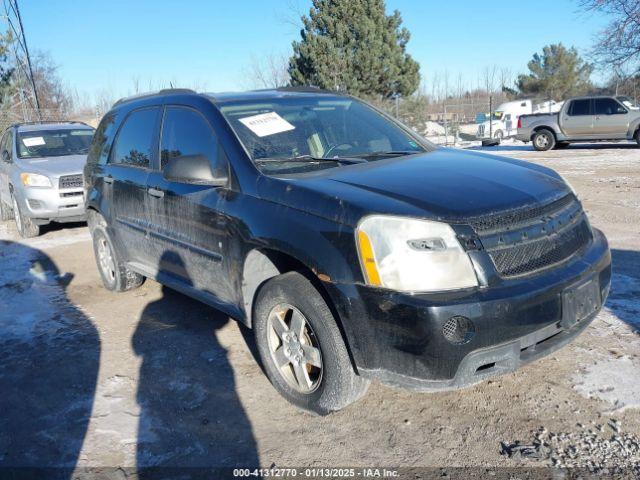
580, 107
186, 132
134, 144
608, 106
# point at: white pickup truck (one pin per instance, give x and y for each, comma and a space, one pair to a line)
583, 119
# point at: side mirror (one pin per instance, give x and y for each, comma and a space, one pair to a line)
6, 157
193, 169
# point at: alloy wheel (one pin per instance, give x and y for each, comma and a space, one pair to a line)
16, 215
105, 259
294, 348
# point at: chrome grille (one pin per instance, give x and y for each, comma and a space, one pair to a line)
71, 181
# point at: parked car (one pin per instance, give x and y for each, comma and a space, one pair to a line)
584, 119
41, 174
355, 249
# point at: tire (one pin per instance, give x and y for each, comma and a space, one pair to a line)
543, 140
330, 382
5, 212
561, 145
499, 135
114, 273
637, 136
26, 227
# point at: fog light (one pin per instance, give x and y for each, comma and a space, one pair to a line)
34, 204
458, 330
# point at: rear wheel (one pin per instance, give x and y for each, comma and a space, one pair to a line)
27, 228
543, 140
301, 346
114, 273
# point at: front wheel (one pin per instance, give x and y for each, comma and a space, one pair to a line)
543, 140
499, 135
27, 228
301, 346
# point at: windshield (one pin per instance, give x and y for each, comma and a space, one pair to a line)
629, 102
53, 143
319, 129
498, 115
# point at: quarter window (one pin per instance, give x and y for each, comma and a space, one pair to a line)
608, 106
185, 132
134, 145
580, 107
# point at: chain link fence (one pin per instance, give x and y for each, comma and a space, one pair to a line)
11, 117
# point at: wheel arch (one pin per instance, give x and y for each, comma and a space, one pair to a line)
543, 127
262, 264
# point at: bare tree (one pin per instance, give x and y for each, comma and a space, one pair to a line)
52, 93
270, 71
619, 43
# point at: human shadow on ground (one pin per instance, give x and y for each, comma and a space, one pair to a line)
49, 360
190, 415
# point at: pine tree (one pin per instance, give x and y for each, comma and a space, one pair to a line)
557, 73
354, 46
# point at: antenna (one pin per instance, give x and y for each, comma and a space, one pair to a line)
23, 74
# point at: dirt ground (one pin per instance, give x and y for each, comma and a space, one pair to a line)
151, 377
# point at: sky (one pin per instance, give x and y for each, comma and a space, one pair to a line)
109, 46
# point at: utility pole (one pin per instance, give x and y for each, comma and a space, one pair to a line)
24, 72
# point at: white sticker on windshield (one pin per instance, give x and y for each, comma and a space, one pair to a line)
267, 124
33, 141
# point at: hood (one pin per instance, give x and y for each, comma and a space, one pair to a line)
55, 166
446, 184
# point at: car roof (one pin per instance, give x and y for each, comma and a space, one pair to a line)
267, 94
39, 126
224, 97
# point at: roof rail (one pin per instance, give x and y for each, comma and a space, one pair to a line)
303, 88
164, 91
44, 122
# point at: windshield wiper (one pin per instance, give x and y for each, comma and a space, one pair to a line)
391, 153
311, 158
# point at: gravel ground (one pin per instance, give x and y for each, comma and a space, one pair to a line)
150, 377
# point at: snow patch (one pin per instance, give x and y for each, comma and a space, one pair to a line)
32, 299
613, 380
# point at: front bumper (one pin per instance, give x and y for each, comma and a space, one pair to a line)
398, 338
52, 204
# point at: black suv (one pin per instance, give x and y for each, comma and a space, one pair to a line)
355, 249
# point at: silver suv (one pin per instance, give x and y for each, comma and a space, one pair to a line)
41, 174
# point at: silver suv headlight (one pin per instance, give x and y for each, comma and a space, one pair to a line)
35, 180
412, 255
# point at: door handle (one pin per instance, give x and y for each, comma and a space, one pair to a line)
108, 179
154, 192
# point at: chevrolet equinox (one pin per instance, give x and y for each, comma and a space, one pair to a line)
354, 249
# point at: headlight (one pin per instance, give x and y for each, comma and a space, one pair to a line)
35, 180
412, 255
